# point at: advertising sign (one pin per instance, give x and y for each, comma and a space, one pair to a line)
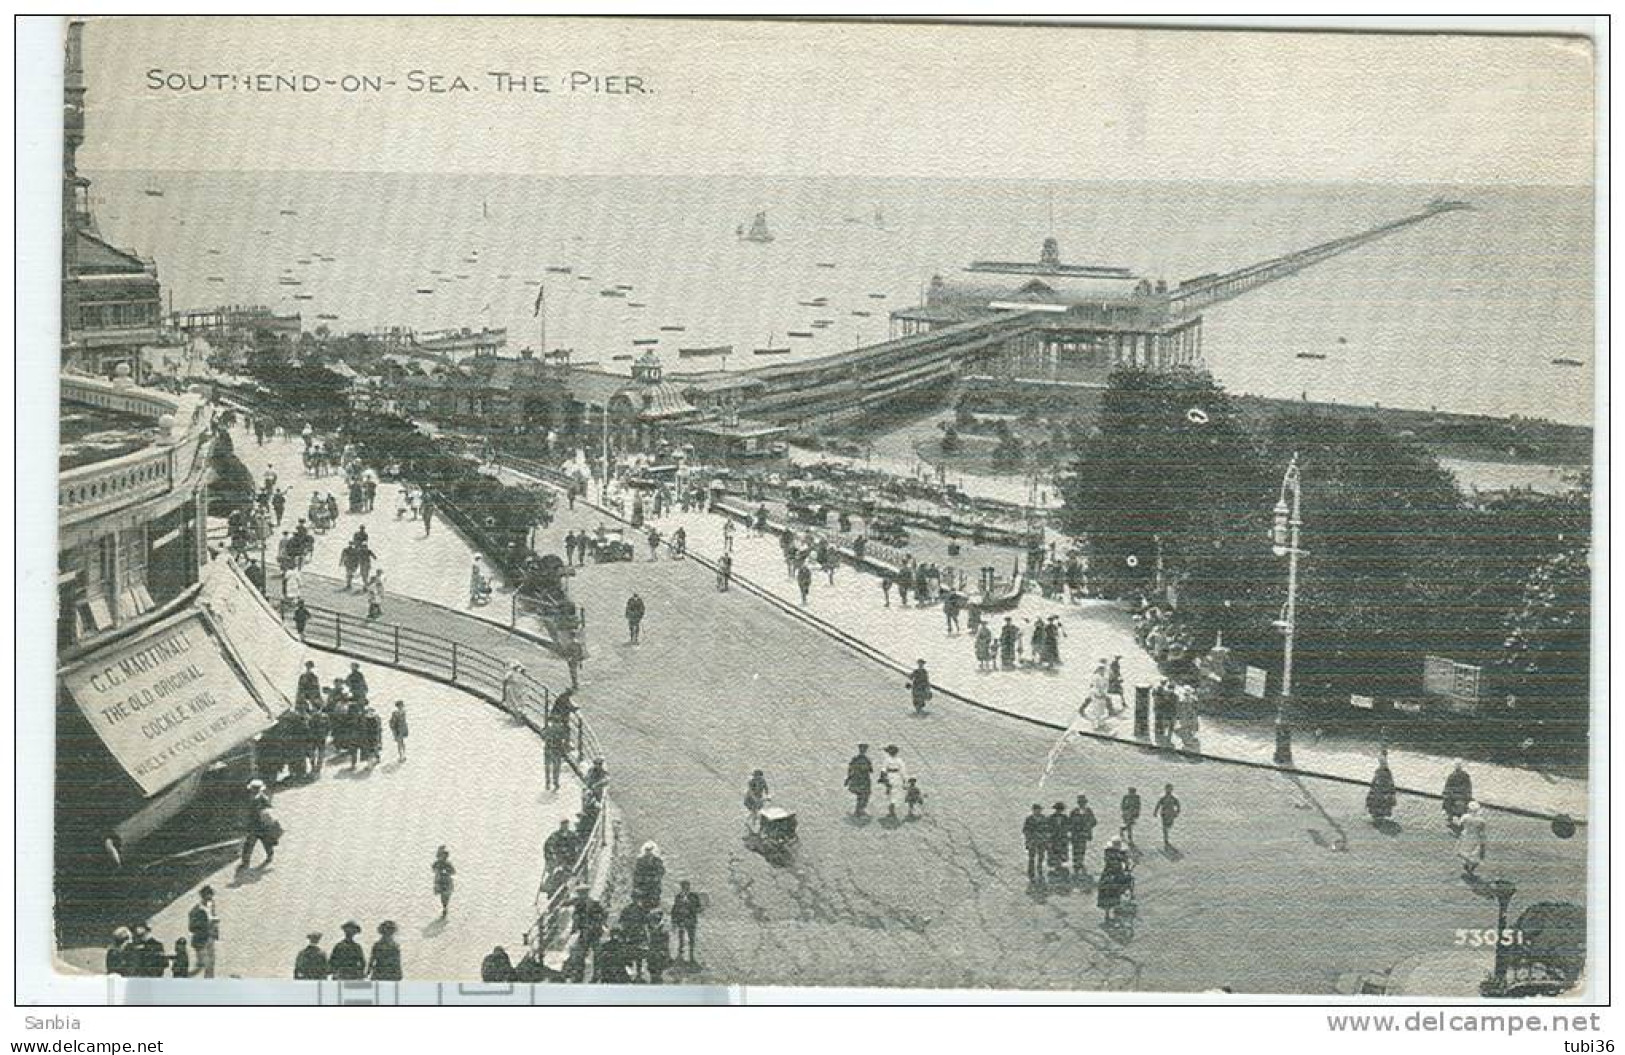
1257, 682
167, 701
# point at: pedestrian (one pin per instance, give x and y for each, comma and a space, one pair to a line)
894, 778
1035, 835
556, 738
309, 691
319, 724
1458, 793
634, 617
756, 796
203, 924
804, 581
311, 963
180, 961
1116, 880
301, 617
444, 879
725, 572
119, 958
919, 687
654, 544
372, 735
587, 919
147, 958
399, 730
1060, 838
375, 595
1099, 702
859, 780
727, 536
648, 873
428, 514
903, 581
1131, 813
951, 604
685, 916
657, 945
347, 963
984, 647
254, 827
1081, 830
913, 797
885, 588
1470, 842
560, 850
497, 967
1009, 639
349, 559
1114, 677
355, 683
1380, 799
279, 502
384, 960
1167, 810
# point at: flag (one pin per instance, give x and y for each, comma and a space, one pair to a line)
541, 291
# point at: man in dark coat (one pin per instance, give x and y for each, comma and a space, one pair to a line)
347, 963
560, 849
384, 961
311, 963
1081, 827
1060, 835
203, 924
1131, 814
497, 967
1035, 834
919, 687
1009, 637
859, 781
309, 692
685, 916
804, 581
147, 954
373, 731
317, 725
356, 683
634, 616
587, 918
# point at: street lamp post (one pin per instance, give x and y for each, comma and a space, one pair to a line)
1288, 521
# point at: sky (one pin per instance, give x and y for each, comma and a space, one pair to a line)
775, 99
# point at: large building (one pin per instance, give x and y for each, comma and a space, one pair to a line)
156, 695
110, 303
1088, 320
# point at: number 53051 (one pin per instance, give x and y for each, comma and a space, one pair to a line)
1480, 938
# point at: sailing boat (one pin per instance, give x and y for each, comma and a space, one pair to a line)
758, 230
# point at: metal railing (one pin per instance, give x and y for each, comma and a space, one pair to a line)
493, 680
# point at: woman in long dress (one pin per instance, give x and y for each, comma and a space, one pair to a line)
1470, 843
894, 778
1379, 801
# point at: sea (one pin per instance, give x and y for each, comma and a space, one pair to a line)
1464, 312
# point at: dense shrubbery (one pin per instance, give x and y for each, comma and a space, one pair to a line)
1399, 566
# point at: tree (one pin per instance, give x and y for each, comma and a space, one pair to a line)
1169, 465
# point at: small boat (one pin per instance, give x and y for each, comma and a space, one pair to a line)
623, 286
800, 333
436, 271
646, 340
287, 212
214, 252
612, 293
266, 231
532, 282
504, 276
877, 296
816, 302
304, 262
1342, 340
672, 329
462, 276
862, 314
819, 324
215, 278
1311, 355
705, 353
471, 259
758, 230
153, 192
636, 304
584, 278
425, 290
621, 358
771, 351
304, 296
1564, 360
287, 281
557, 270
828, 266
329, 316
1003, 596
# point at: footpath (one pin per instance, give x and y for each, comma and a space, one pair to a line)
854, 607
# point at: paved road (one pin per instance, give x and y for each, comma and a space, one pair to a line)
1276, 885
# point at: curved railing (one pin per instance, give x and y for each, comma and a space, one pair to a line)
173, 462
490, 678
